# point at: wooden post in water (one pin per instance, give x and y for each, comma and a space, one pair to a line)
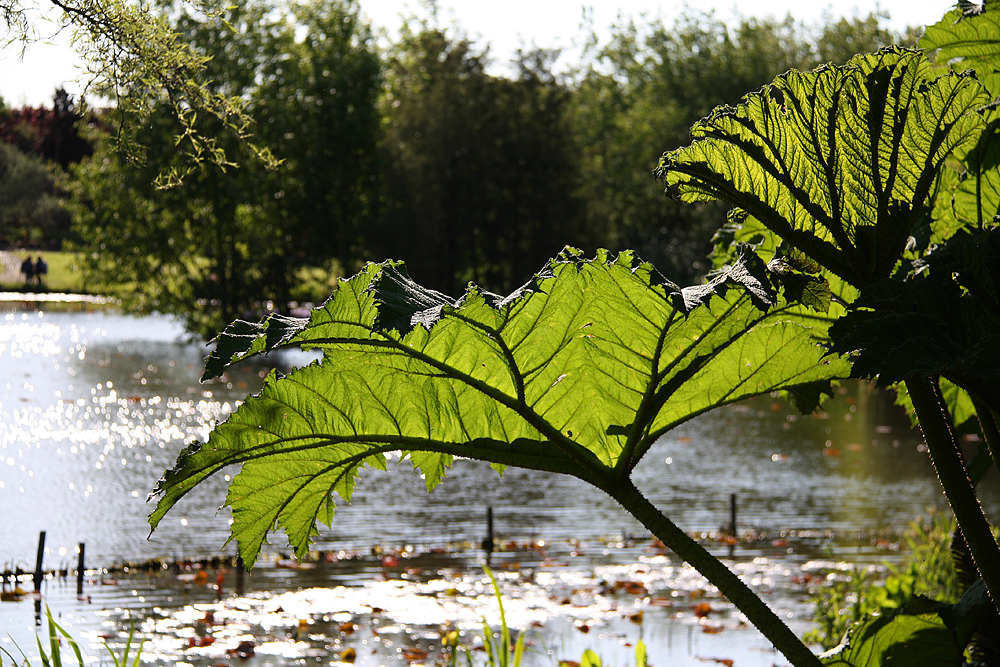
79, 570
732, 514
240, 572
39, 574
488, 540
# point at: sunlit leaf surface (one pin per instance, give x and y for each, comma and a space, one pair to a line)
968, 37
578, 372
838, 162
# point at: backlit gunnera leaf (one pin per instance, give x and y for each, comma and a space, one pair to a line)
578, 372
838, 162
968, 38
968, 194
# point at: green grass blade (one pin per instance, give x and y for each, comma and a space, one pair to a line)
519, 650
41, 653
489, 644
640, 654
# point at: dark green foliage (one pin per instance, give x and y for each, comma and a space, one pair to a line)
50, 134
943, 320
228, 239
30, 212
480, 178
984, 646
316, 108
927, 569
921, 633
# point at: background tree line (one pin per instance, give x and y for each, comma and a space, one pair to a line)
423, 149
35, 143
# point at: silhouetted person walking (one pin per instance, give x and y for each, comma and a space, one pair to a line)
28, 270
41, 268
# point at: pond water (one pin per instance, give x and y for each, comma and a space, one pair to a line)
94, 405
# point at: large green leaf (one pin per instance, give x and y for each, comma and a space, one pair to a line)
578, 372
838, 162
943, 320
923, 633
968, 195
968, 38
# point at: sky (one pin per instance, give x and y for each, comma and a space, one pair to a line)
505, 25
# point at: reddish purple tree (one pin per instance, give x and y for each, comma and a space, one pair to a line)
50, 134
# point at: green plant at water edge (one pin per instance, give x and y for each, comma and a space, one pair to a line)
926, 570
498, 649
122, 660
591, 659
840, 604
863, 244
54, 658
499, 652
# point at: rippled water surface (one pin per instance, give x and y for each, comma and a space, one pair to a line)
94, 406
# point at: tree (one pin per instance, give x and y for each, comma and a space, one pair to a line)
479, 169
51, 134
137, 60
317, 108
203, 247
30, 139
30, 212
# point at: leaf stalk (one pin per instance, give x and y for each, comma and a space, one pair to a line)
730, 585
929, 405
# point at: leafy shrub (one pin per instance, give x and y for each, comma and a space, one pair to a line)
925, 570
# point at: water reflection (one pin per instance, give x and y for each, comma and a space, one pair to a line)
95, 405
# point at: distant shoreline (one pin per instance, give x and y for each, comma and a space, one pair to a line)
54, 297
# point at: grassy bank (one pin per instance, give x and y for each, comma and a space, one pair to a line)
64, 273
311, 284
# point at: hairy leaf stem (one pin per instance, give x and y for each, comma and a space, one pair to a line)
730, 585
928, 403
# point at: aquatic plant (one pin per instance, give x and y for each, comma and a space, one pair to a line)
854, 250
54, 657
591, 659
499, 652
925, 569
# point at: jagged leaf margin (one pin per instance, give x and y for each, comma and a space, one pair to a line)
838, 162
578, 373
